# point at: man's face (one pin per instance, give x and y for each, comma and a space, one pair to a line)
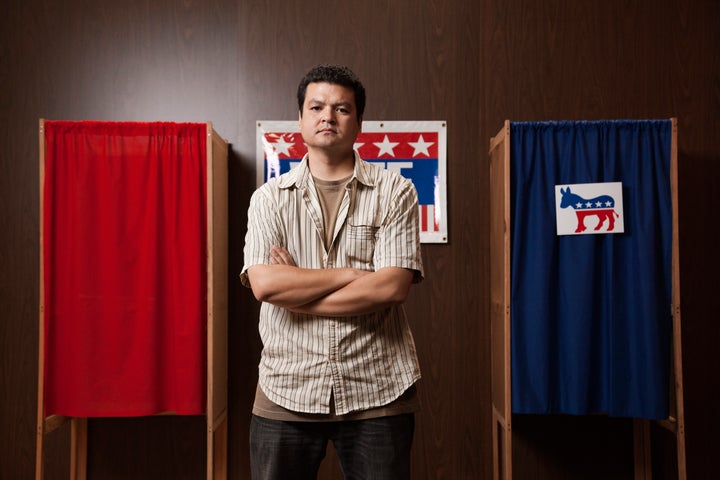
329, 118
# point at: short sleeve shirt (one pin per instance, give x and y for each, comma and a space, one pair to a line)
367, 360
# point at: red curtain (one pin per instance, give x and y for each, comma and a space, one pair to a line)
124, 249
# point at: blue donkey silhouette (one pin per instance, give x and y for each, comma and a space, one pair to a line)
601, 206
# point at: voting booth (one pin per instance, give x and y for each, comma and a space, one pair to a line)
585, 287
133, 279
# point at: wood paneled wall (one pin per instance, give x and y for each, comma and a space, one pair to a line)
471, 63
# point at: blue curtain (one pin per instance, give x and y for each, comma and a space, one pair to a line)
591, 314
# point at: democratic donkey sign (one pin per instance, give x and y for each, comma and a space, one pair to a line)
589, 208
414, 149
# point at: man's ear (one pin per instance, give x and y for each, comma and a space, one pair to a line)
299, 118
360, 124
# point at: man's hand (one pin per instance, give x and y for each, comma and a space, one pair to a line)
280, 256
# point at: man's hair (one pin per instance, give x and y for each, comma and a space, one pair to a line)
337, 75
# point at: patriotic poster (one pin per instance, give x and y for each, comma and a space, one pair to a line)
415, 149
589, 208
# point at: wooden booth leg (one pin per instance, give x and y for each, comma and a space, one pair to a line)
217, 457
78, 444
502, 448
78, 448
642, 447
39, 451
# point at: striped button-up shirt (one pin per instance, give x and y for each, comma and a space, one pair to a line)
365, 360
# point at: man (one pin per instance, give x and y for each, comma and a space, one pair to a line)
332, 249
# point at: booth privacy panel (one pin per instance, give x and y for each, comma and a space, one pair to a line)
124, 264
591, 314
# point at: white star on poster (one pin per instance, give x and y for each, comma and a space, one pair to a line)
281, 146
386, 146
421, 146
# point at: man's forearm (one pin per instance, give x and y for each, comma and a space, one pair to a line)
371, 293
289, 286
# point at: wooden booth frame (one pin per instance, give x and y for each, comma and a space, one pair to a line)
217, 314
501, 316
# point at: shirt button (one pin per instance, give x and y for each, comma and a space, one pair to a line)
331, 357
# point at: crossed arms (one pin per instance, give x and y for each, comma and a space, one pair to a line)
335, 292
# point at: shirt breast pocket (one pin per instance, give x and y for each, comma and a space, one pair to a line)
360, 244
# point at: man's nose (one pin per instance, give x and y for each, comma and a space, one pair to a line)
328, 116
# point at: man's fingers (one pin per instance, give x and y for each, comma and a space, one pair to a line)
280, 256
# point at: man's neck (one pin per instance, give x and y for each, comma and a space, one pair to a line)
328, 166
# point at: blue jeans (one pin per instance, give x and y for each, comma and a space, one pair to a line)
372, 449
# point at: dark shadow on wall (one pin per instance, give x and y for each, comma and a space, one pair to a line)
243, 310
699, 203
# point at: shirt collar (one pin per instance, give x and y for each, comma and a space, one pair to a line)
300, 175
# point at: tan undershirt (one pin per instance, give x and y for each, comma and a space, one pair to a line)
330, 194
